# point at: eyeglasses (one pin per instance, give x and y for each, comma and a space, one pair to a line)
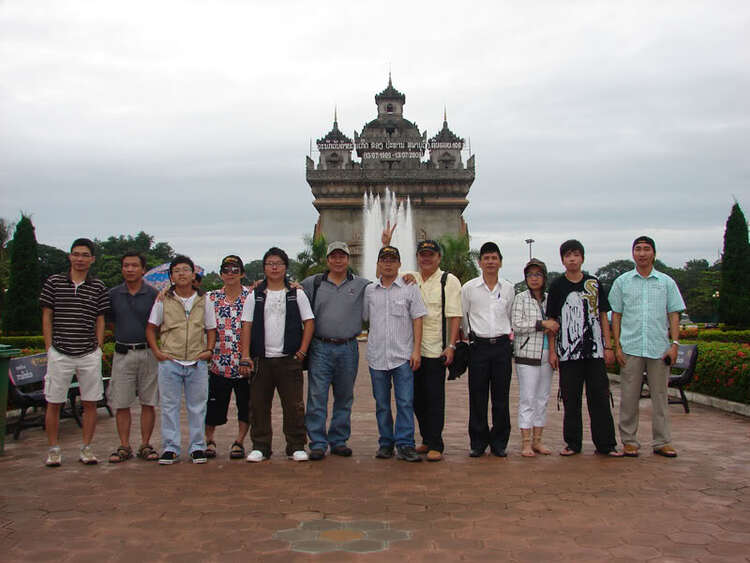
230, 270
535, 275
274, 264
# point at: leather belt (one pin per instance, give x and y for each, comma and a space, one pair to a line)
494, 340
335, 340
139, 346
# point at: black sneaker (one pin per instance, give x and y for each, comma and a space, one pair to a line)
168, 458
316, 455
476, 452
408, 453
199, 456
342, 449
385, 452
499, 453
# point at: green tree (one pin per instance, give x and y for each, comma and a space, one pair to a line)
51, 261
211, 281
22, 314
6, 227
458, 258
734, 301
254, 270
109, 252
701, 300
312, 260
610, 272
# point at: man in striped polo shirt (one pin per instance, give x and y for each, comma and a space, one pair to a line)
73, 308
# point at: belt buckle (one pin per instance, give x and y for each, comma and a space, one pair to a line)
493, 340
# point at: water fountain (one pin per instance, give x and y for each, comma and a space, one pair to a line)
376, 215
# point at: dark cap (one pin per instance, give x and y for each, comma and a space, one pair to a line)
538, 263
389, 251
646, 240
232, 260
430, 245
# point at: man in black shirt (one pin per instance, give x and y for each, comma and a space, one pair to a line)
582, 347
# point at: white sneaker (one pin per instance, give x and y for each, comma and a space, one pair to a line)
54, 457
255, 456
299, 455
87, 456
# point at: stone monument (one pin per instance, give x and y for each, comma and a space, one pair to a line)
391, 152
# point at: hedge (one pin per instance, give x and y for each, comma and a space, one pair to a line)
716, 335
23, 341
723, 371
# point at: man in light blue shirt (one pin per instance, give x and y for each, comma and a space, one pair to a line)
394, 345
646, 307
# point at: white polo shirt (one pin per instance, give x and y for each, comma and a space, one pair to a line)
487, 310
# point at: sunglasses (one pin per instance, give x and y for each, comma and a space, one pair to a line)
230, 270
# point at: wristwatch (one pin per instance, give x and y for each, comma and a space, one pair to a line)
676, 342
452, 346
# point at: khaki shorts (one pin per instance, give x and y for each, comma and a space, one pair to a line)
60, 371
133, 374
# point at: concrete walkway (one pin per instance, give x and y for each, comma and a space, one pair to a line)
584, 508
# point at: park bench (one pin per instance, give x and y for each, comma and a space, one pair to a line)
681, 374
25, 378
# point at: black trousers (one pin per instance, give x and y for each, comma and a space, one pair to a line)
429, 401
573, 375
489, 376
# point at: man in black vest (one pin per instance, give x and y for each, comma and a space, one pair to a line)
277, 326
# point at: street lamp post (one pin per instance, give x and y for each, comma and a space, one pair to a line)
530, 241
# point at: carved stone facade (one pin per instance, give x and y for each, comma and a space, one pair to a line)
390, 149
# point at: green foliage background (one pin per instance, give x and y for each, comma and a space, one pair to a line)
21, 313
734, 301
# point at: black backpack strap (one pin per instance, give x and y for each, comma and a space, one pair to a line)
443, 279
316, 284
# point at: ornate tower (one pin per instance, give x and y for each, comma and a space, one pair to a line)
390, 149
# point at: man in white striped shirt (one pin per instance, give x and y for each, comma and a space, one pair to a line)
394, 343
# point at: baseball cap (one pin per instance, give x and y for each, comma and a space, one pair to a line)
428, 245
338, 245
389, 251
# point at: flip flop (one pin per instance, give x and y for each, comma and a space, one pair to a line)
210, 448
568, 452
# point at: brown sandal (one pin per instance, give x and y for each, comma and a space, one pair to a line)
122, 453
148, 453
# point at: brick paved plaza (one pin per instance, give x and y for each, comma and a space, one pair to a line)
584, 508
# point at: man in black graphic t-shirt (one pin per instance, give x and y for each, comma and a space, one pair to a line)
581, 349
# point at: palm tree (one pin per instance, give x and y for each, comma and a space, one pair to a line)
312, 260
458, 258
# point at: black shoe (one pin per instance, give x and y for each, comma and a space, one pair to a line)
499, 453
475, 452
408, 453
342, 449
385, 452
168, 458
198, 456
316, 455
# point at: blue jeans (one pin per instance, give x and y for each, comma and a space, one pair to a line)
173, 378
330, 365
403, 388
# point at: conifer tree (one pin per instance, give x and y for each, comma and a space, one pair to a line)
22, 314
734, 295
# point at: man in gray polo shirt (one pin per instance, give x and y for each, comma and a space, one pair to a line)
134, 367
336, 298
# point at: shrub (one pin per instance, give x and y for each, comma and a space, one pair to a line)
716, 335
723, 371
24, 342
690, 332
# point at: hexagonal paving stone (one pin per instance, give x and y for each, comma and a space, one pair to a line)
364, 546
296, 534
366, 525
341, 535
314, 546
388, 535
321, 525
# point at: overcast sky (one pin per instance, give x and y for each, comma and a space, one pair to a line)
191, 120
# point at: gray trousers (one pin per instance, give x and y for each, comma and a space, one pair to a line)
631, 376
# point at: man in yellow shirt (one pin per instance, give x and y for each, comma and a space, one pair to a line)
438, 345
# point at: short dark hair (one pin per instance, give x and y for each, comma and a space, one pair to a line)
489, 248
180, 259
274, 251
571, 246
87, 242
130, 254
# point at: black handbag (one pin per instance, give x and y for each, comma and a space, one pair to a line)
460, 362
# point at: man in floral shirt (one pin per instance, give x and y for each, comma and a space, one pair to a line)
224, 374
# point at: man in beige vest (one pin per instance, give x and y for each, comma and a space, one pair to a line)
182, 318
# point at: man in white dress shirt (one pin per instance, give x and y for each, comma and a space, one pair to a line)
487, 302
